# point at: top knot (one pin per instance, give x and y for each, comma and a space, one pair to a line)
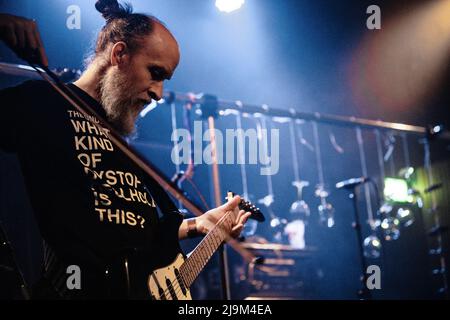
111, 9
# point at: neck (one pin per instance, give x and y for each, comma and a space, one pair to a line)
90, 79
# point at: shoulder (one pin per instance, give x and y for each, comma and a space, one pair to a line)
27, 90
35, 87
32, 100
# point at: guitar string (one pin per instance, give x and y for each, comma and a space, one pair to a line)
180, 278
177, 288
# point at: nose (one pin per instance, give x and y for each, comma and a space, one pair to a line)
156, 91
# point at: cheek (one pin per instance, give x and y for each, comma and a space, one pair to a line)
141, 81
137, 75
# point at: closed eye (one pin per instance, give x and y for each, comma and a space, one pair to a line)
158, 73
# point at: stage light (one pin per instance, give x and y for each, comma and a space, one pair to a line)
416, 197
389, 223
390, 227
405, 216
406, 173
396, 190
326, 215
229, 5
389, 69
372, 247
434, 131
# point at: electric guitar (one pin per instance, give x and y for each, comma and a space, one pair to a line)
173, 281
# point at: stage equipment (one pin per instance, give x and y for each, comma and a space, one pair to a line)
363, 292
277, 224
326, 209
279, 272
251, 225
299, 210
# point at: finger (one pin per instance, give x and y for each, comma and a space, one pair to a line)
236, 231
42, 55
245, 217
10, 39
231, 204
240, 214
31, 40
31, 51
237, 227
20, 34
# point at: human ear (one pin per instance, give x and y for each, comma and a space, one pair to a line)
119, 53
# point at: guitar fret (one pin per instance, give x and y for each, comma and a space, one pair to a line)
209, 251
189, 270
205, 250
202, 253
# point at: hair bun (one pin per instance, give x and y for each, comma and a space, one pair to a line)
110, 9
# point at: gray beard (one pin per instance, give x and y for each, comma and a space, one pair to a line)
117, 98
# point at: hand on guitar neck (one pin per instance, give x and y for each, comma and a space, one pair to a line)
173, 281
233, 226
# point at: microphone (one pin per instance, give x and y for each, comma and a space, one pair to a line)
350, 183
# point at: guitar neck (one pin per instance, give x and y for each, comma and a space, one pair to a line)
195, 263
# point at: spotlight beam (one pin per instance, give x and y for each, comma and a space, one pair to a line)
229, 5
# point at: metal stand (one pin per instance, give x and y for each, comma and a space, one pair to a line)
436, 229
209, 112
363, 292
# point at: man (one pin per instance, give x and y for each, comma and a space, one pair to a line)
95, 208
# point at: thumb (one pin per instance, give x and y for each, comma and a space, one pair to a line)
231, 204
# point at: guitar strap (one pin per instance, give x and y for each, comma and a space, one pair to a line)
53, 284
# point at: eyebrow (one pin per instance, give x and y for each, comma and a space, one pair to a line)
164, 73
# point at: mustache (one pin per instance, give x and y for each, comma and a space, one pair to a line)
146, 101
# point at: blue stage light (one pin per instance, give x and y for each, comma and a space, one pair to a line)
229, 5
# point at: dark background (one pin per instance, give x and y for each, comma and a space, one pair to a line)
313, 56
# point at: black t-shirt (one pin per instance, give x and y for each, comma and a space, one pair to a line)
92, 204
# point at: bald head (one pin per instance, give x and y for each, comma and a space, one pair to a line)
132, 77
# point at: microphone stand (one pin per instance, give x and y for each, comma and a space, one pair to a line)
363, 292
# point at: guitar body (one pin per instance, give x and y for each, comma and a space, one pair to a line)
164, 273
167, 284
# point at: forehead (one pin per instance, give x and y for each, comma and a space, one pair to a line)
160, 47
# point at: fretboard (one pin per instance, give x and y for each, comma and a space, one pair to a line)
195, 263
